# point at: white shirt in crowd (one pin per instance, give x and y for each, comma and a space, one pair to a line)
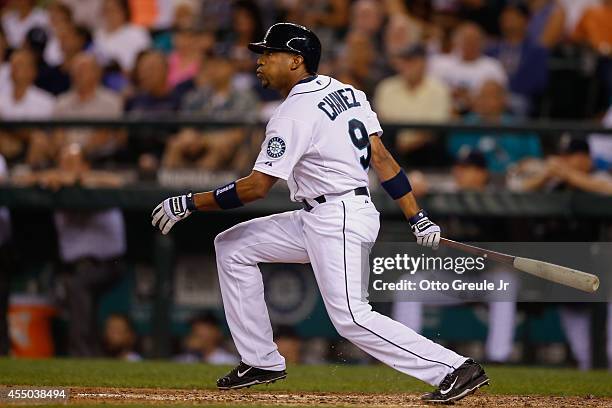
5, 75
5, 219
85, 12
574, 9
122, 45
16, 29
457, 73
53, 54
601, 144
99, 235
35, 104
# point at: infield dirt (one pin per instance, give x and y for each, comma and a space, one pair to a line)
87, 395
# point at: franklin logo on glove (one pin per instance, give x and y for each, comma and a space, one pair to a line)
171, 210
426, 232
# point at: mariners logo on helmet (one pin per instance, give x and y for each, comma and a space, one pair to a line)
276, 147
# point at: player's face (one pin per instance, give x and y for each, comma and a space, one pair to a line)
274, 68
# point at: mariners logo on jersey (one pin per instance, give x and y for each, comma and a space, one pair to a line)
276, 147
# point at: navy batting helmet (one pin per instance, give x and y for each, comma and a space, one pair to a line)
294, 38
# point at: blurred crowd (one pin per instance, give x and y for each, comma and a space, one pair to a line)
492, 62
477, 61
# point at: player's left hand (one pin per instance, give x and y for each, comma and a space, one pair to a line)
426, 232
170, 211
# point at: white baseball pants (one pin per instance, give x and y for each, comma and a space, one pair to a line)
330, 237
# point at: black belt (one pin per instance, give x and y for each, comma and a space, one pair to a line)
359, 191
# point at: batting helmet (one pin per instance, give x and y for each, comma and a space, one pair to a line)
294, 38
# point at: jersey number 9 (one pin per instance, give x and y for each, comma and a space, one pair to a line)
361, 140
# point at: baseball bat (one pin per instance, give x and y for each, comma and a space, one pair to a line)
556, 273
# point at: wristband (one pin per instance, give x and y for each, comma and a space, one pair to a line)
417, 217
398, 186
190, 202
227, 196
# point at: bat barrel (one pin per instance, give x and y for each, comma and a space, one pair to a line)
559, 274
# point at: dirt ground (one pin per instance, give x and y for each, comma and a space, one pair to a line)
248, 397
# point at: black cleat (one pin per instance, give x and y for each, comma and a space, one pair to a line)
462, 382
245, 376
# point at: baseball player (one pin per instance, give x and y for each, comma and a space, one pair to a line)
322, 140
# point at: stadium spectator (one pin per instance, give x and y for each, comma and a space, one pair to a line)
204, 343
153, 97
483, 13
466, 68
594, 29
152, 93
470, 171
413, 96
184, 60
246, 27
72, 40
91, 245
5, 72
118, 41
86, 13
544, 27
22, 100
184, 19
216, 14
86, 99
401, 32
601, 145
572, 12
20, 17
328, 18
185, 14
525, 62
359, 63
120, 340
572, 169
60, 17
6, 266
218, 99
368, 18
54, 80
289, 344
501, 150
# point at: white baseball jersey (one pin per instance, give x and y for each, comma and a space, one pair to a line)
318, 139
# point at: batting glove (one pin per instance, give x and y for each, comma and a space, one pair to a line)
171, 210
426, 232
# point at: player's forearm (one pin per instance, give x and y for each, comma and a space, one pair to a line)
408, 204
251, 188
206, 201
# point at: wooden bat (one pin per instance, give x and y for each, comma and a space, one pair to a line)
555, 273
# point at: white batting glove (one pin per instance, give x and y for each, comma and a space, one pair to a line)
171, 210
426, 232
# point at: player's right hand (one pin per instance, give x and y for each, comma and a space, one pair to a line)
426, 232
170, 211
